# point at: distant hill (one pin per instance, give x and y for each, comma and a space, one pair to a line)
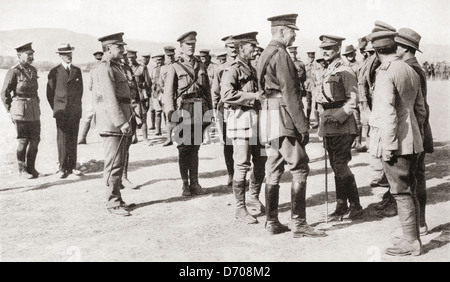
46, 41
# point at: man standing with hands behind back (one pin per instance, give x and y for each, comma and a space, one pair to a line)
64, 93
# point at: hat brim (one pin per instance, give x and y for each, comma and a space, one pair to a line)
293, 26
189, 41
349, 52
405, 42
170, 53
66, 51
327, 44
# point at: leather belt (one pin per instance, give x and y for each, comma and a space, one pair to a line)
333, 105
273, 94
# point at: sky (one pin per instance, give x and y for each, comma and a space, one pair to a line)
165, 20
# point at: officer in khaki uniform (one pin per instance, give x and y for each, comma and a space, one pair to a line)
205, 58
407, 44
113, 117
144, 84
397, 119
301, 70
239, 90
310, 68
23, 106
219, 105
339, 99
284, 128
169, 58
157, 92
186, 98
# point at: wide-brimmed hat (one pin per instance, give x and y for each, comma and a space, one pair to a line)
65, 48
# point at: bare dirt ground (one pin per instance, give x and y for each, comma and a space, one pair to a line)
49, 219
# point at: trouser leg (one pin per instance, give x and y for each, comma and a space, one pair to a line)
111, 145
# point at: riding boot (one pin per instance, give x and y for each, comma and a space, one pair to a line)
126, 183
273, 226
169, 129
31, 157
194, 186
152, 118
341, 199
21, 156
241, 211
253, 201
183, 162
316, 122
298, 213
158, 123
355, 210
229, 162
144, 130
84, 131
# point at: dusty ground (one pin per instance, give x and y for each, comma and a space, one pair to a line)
48, 219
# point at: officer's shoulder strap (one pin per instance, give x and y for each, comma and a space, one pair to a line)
266, 64
385, 66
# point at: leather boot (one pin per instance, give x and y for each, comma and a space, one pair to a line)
183, 162
126, 183
23, 173
316, 122
195, 187
144, 131
31, 158
341, 199
169, 129
308, 114
84, 131
273, 226
241, 211
229, 162
298, 213
21, 156
158, 123
253, 201
152, 118
410, 243
359, 146
355, 210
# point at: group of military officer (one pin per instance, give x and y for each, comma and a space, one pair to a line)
255, 97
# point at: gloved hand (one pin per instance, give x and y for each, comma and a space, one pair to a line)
387, 155
305, 138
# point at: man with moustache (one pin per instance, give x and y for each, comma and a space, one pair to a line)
284, 128
186, 98
240, 94
64, 94
339, 99
113, 115
23, 107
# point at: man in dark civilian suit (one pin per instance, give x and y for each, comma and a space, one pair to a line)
64, 93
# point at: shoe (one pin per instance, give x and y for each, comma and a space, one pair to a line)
121, 211
355, 212
405, 248
243, 215
276, 227
305, 230
186, 191
341, 210
255, 204
128, 207
62, 174
361, 148
152, 128
34, 173
77, 172
379, 183
25, 175
423, 230
82, 142
196, 189
128, 184
167, 143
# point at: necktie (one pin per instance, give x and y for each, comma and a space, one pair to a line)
68, 69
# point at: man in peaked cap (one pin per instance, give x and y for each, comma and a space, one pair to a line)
144, 84
85, 123
366, 81
350, 55
205, 58
113, 116
221, 57
219, 105
284, 128
300, 66
64, 94
258, 51
169, 58
156, 93
311, 67
239, 91
187, 90
339, 99
397, 92
407, 44
23, 107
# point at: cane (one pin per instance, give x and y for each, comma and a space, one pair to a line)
326, 179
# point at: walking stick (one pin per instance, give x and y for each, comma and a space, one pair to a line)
326, 179
114, 159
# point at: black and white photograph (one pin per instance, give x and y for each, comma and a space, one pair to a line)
239, 131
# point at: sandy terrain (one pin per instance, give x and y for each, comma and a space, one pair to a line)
49, 219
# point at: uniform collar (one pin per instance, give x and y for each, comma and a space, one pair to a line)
336, 63
274, 42
242, 60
